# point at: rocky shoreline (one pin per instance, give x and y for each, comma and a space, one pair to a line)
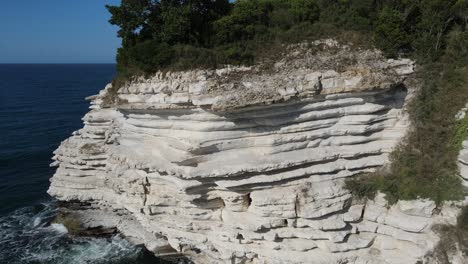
84, 220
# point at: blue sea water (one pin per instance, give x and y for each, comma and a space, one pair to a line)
41, 105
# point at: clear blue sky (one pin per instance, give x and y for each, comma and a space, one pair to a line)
57, 31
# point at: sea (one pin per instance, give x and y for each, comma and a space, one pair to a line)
40, 106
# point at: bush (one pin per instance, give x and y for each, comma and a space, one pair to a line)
425, 165
150, 55
462, 220
461, 133
389, 34
457, 48
349, 14
304, 10
248, 18
189, 57
363, 186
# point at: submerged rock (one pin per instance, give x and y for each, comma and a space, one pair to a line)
247, 164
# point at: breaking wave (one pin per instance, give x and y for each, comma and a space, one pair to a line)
28, 237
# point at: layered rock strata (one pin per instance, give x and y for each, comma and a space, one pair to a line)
247, 164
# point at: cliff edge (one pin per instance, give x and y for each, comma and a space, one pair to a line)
247, 164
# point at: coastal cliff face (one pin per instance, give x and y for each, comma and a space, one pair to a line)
247, 164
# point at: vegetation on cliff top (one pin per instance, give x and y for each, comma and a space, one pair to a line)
206, 33
425, 165
179, 34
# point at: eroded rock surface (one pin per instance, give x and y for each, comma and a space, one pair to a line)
463, 163
246, 165
463, 156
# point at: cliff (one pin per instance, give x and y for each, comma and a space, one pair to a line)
247, 164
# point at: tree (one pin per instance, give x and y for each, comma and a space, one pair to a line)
245, 20
130, 16
436, 18
461, 9
389, 33
304, 10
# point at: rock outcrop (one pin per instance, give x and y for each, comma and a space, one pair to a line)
463, 163
247, 164
463, 157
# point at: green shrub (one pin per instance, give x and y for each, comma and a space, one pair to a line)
150, 55
349, 14
457, 48
425, 165
304, 10
248, 18
461, 133
389, 34
189, 57
462, 220
363, 186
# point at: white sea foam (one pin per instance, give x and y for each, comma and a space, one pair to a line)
26, 237
37, 221
59, 228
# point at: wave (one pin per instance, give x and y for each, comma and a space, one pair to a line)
27, 236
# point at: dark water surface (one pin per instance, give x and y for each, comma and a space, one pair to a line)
41, 105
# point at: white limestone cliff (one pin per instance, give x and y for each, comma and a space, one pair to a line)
247, 164
463, 163
463, 156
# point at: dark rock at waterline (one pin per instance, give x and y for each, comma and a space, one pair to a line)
83, 221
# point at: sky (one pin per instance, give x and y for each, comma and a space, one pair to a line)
57, 31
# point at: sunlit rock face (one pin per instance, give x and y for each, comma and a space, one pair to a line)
463, 156
463, 163
247, 164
